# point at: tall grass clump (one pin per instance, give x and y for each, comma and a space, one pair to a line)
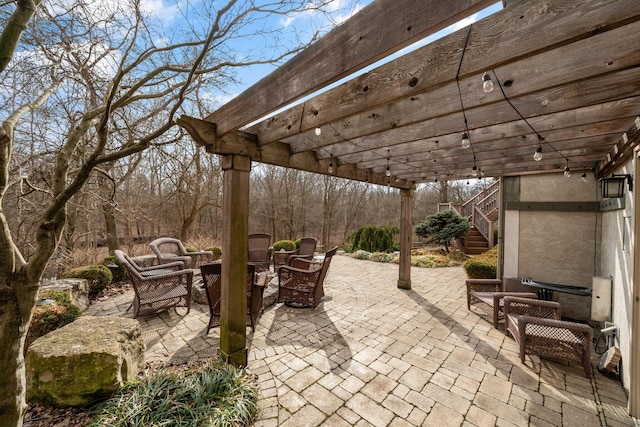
210, 395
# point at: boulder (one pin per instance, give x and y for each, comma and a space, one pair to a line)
78, 290
84, 361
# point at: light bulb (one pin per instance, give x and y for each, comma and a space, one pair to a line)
387, 172
584, 176
537, 156
318, 131
567, 172
466, 143
330, 167
487, 84
474, 171
435, 179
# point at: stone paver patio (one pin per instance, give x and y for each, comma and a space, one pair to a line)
374, 355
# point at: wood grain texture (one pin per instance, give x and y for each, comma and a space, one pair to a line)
382, 28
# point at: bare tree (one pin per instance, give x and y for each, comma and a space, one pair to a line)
108, 84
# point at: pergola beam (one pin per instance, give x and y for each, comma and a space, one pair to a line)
245, 144
431, 70
380, 29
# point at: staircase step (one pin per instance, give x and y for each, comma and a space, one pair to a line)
475, 251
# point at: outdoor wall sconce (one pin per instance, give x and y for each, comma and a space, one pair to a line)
613, 187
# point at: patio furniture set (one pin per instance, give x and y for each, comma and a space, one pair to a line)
535, 324
169, 283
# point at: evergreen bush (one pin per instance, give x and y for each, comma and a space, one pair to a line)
217, 252
373, 238
442, 227
287, 245
483, 266
98, 277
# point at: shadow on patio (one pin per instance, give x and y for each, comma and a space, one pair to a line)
374, 354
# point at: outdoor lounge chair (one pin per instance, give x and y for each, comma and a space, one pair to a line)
212, 278
487, 295
537, 328
159, 287
259, 247
301, 284
169, 250
306, 250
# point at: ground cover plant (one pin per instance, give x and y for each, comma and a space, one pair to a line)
425, 258
212, 394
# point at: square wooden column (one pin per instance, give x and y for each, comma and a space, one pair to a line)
406, 231
235, 227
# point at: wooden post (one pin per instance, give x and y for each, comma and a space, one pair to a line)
406, 231
235, 226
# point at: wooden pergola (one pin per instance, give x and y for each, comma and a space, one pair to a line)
571, 68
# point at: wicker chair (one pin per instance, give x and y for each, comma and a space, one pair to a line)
486, 295
212, 278
259, 246
301, 284
171, 250
537, 328
306, 250
159, 287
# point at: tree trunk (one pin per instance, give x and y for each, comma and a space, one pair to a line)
111, 228
17, 300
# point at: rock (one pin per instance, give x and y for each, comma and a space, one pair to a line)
198, 293
84, 361
270, 291
78, 290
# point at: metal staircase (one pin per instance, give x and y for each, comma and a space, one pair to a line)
482, 212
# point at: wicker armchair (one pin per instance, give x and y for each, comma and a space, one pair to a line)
301, 284
159, 287
259, 247
537, 328
306, 250
212, 278
486, 295
171, 250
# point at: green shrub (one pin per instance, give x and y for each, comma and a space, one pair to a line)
209, 395
442, 227
372, 238
483, 266
217, 252
49, 317
98, 277
190, 249
119, 273
287, 245
298, 242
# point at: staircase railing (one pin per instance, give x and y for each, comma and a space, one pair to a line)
487, 199
479, 210
483, 224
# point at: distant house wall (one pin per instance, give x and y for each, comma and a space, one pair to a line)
617, 262
552, 234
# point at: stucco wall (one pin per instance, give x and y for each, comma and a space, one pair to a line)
554, 245
617, 262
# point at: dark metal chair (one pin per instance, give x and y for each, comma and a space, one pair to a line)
169, 250
159, 287
301, 284
259, 251
212, 278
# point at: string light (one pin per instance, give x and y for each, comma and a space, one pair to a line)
487, 84
436, 178
567, 171
584, 175
387, 172
466, 143
318, 131
474, 171
330, 169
